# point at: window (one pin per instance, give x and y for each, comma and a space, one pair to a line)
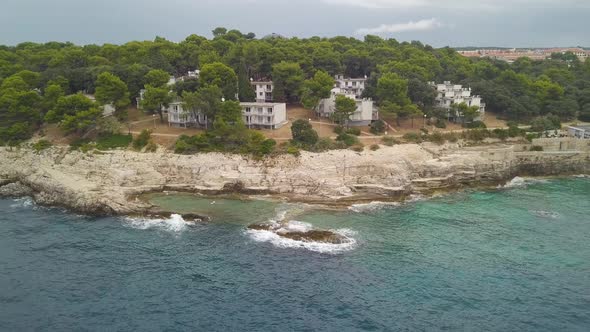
270, 110
259, 109
268, 87
353, 83
261, 93
176, 107
247, 109
268, 119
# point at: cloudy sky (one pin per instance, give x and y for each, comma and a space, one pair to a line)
517, 23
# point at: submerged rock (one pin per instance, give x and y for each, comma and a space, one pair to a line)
315, 236
322, 236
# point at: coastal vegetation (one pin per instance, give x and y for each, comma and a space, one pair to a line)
50, 83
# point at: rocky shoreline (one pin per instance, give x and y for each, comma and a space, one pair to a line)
111, 182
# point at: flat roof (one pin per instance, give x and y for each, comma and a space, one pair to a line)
582, 127
254, 103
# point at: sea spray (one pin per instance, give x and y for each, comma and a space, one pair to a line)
175, 223
279, 227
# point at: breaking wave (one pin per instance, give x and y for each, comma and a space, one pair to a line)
174, 224
281, 226
372, 206
545, 214
521, 182
23, 202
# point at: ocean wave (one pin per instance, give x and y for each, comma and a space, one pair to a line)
521, 182
545, 214
582, 176
372, 206
174, 224
279, 226
23, 202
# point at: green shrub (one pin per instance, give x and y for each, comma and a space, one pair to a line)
374, 147
113, 141
353, 131
440, 123
500, 133
378, 127
476, 135
303, 133
142, 139
531, 136
293, 150
536, 148
358, 147
475, 125
82, 144
347, 139
413, 137
437, 138
151, 147
338, 130
41, 145
451, 137
389, 141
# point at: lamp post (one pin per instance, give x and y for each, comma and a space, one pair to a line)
154, 117
425, 116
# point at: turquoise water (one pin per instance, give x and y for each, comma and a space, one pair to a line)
511, 259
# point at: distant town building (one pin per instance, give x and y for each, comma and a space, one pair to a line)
582, 132
511, 55
365, 112
263, 90
449, 94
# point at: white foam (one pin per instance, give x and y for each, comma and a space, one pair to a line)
370, 207
22, 202
546, 214
273, 237
173, 224
582, 176
522, 182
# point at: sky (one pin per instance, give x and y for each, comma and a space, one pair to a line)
457, 23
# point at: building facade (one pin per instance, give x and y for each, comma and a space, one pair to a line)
354, 86
582, 132
449, 94
256, 115
263, 90
365, 112
264, 115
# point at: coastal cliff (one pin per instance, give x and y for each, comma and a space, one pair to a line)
109, 182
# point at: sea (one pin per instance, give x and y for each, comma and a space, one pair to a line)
511, 258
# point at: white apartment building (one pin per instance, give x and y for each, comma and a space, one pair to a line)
365, 112
263, 90
354, 86
449, 94
255, 115
264, 115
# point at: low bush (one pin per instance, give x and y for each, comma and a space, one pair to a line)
476, 135
389, 141
500, 133
413, 137
338, 130
451, 137
378, 127
475, 125
113, 141
374, 147
41, 145
531, 136
142, 139
353, 131
536, 148
347, 139
437, 138
293, 150
440, 123
358, 147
